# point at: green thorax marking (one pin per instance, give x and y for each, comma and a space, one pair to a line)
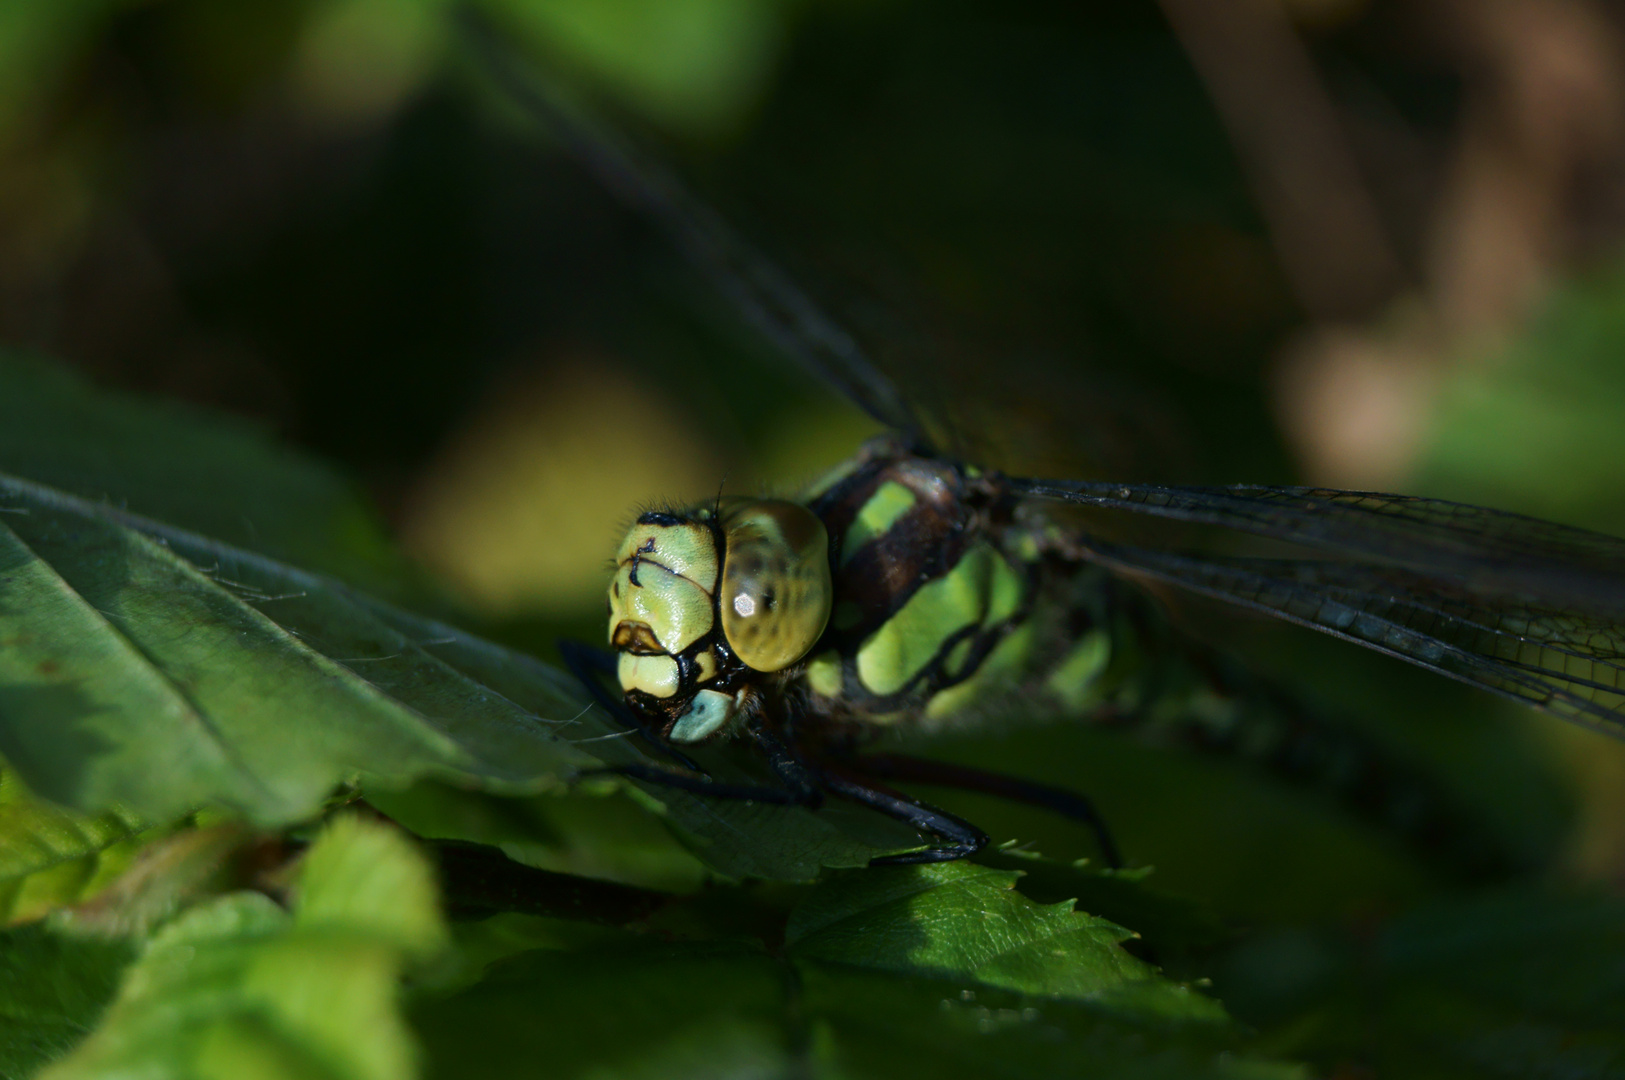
980, 591
933, 603
878, 514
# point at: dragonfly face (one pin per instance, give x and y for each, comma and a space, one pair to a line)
706, 602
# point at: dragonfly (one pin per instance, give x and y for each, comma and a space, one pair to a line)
911, 590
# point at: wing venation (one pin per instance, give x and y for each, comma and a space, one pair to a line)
1528, 609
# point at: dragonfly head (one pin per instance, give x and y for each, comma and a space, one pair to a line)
702, 601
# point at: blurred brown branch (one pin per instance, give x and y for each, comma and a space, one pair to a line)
1327, 233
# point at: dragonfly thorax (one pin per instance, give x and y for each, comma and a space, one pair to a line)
705, 600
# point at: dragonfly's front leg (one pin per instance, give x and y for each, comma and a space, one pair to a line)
701, 784
799, 787
590, 666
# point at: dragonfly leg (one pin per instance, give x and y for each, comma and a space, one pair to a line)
960, 838
588, 665
701, 784
787, 765
1068, 804
800, 786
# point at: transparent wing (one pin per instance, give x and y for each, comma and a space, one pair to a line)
1526, 608
1485, 552
766, 296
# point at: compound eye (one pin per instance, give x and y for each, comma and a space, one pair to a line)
776, 588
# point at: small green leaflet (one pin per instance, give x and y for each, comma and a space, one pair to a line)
240, 987
49, 857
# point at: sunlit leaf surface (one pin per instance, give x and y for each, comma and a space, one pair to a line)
161, 671
50, 857
966, 920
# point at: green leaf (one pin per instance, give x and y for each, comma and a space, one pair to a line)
868, 1024
240, 987
213, 474
53, 986
364, 879
962, 921
160, 671
631, 1005
49, 857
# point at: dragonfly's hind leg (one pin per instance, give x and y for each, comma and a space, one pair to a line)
960, 838
1068, 804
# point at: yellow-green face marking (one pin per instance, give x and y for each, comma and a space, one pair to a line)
660, 598
654, 675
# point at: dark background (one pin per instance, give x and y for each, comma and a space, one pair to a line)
1365, 243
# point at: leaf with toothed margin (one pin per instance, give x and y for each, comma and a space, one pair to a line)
966, 921
155, 667
154, 670
151, 668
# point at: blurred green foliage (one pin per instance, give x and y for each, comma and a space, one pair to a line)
239, 986
1538, 424
319, 216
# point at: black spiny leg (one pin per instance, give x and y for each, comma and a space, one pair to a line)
701, 784
960, 837
800, 786
1056, 800
587, 664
